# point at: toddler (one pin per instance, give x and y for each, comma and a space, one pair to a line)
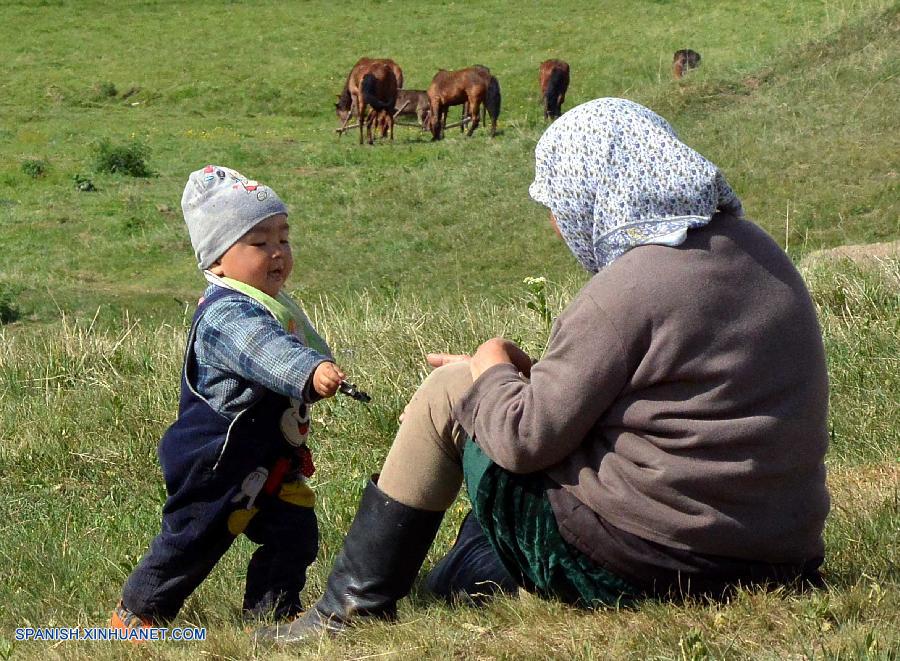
236, 460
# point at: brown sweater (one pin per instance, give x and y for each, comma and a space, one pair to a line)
682, 398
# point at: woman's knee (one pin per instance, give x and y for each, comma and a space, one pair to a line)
429, 413
446, 383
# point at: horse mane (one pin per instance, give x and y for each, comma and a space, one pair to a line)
344, 101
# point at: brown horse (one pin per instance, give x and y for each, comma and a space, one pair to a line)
554, 79
683, 60
472, 86
373, 83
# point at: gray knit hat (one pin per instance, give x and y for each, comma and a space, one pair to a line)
220, 205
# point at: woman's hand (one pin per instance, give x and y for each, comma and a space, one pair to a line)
496, 351
441, 359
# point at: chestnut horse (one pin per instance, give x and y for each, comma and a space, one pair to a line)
683, 60
372, 82
554, 79
472, 86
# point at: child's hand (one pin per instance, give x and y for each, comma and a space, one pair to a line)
327, 378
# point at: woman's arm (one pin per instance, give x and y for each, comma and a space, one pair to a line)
528, 425
499, 351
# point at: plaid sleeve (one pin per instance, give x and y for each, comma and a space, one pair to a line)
238, 335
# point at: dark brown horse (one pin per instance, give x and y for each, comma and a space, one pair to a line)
554, 79
371, 83
683, 60
473, 86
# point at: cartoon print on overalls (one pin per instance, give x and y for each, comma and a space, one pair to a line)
250, 489
295, 427
286, 479
251, 486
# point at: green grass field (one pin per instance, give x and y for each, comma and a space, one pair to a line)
402, 249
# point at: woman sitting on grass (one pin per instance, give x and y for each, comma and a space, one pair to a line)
669, 442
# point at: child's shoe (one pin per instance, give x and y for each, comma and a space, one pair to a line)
123, 619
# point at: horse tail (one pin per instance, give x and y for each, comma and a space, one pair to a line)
369, 89
554, 91
492, 99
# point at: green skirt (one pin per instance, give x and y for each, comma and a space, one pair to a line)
517, 519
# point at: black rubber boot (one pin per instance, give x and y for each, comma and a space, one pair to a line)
471, 572
382, 554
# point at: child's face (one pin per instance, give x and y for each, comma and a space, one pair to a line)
261, 258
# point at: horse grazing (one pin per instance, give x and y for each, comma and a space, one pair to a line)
684, 60
472, 86
373, 83
554, 79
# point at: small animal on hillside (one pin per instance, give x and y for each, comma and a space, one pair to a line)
684, 60
473, 86
413, 103
371, 83
554, 81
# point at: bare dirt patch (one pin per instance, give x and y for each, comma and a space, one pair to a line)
860, 488
862, 254
878, 260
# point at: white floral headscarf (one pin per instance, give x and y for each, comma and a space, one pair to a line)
616, 176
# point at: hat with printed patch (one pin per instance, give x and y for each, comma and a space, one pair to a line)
220, 205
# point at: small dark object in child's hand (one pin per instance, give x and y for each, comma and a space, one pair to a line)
351, 390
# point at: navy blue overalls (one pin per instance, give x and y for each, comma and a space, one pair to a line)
206, 458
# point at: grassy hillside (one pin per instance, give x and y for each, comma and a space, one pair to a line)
795, 102
406, 248
82, 410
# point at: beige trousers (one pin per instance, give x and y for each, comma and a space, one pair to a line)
424, 466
